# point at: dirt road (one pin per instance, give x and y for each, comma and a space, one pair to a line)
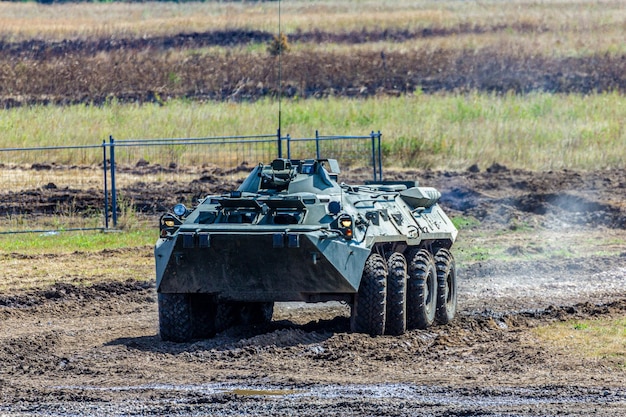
94, 350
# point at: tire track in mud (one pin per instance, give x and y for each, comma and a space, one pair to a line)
333, 327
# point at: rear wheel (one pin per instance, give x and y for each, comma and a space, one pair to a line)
395, 321
256, 313
175, 317
226, 315
369, 308
446, 288
421, 290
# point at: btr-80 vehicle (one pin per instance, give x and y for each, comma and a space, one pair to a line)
292, 232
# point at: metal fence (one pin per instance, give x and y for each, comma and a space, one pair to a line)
147, 175
51, 194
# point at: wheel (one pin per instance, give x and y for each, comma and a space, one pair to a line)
183, 317
229, 314
175, 317
395, 321
226, 315
256, 313
446, 286
368, 310
421, 290
202, 315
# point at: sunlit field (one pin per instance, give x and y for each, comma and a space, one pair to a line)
561, 27
449, 84
441, 131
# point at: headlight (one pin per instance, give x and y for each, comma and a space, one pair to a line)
168, 225
180, 210
345, 226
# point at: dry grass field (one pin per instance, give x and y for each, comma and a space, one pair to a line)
91, 53
553, 27
444, 81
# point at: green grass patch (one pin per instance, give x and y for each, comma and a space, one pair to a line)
68, 242
604, 338
465, 222
446, 131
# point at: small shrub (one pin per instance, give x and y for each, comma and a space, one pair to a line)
278, 45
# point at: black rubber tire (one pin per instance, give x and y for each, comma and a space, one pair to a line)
175, 317
203, 315
422, 286
369, 308
256, 313
227, 315
446, 286
395, 322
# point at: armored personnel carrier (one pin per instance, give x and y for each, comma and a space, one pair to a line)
293, 232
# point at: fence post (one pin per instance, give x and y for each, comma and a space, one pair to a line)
373, 137
113, 191
288, 146
317, 144
106, 190
380, 156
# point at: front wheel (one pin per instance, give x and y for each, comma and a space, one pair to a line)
175, 317
183, 317
369, 308
395, 322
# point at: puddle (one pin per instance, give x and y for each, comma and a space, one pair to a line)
262, 392
208, 389
242, 400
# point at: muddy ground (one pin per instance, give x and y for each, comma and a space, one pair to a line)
94, 350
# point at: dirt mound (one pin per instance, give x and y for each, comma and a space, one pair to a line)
548, 199
42, 49
67, 295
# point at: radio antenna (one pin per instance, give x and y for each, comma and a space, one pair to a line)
280, 86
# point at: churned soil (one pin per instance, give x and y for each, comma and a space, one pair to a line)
72, 349
496, 196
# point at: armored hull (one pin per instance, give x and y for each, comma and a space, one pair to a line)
292, 232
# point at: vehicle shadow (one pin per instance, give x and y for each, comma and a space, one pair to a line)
283, 333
